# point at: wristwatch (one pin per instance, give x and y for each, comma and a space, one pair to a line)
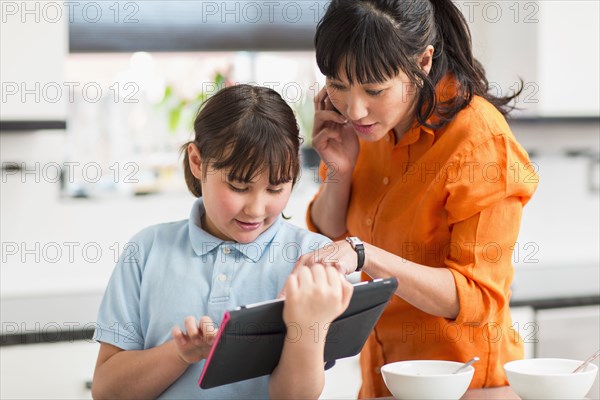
359, 248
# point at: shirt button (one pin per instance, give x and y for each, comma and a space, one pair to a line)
369, 221
226, 250
222, 277
386, 180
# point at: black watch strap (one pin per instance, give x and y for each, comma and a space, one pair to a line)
359, 248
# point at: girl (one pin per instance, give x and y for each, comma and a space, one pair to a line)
235, 249
422, 166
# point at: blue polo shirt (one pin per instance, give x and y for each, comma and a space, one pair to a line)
172, 270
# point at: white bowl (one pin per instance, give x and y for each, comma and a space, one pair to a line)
426, 379
549, 378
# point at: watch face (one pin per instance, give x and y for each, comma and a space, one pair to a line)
354, 240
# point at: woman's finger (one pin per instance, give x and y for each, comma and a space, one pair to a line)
319, 276
305, 278
334, 278
330, 115
319, 99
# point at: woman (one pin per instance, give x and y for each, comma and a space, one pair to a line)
420, 164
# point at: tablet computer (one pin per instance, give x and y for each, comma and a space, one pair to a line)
256, 333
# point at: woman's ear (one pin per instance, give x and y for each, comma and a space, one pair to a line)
195, 160
426, 59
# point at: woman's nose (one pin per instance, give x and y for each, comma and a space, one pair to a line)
356, 109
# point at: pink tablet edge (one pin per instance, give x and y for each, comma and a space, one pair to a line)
226, 318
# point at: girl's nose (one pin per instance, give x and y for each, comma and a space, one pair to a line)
255, 207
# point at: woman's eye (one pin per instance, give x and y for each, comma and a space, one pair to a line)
336, 86
237, 189
374, 92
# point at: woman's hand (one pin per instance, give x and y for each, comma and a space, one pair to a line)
338, 254
333, 138
314, 297
195, 344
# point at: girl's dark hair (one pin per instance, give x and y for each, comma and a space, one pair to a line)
247, 130
373, 40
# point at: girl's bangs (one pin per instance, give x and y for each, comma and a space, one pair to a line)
255, 153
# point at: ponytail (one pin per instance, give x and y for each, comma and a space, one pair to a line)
453, 46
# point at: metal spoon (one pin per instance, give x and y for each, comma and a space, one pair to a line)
586, 362
465, 365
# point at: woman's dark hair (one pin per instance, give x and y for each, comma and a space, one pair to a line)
373, 40
247, 130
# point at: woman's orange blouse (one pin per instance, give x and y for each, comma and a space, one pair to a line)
450, 198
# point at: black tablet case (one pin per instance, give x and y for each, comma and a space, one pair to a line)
250, 340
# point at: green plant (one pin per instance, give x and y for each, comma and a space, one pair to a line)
178, 107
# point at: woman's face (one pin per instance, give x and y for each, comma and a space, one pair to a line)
374, 109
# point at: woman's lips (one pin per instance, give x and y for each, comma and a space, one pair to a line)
365, 129
248, 226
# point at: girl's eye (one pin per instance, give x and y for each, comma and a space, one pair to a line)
275, 191
237, 189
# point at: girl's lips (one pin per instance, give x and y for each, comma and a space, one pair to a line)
365, 129
246, 226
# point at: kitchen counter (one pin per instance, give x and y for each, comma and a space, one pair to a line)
496, 393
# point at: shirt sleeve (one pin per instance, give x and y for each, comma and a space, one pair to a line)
494, 170
480, 259
484, 205
309, 221
118, 321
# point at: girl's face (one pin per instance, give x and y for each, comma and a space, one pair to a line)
241, 211
374, 109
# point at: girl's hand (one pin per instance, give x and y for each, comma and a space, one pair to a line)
338, 254
314, 297
195, 344
333, 138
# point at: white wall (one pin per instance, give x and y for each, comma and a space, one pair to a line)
33, 47
553, 45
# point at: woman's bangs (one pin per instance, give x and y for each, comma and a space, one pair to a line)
365, 49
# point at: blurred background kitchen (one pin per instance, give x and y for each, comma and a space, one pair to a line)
97, 97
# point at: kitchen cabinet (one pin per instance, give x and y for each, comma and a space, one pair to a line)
523, 321
33, 48
60, 370
552, 45
572, 332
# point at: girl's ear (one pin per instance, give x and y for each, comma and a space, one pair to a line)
195, 160
426, 59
